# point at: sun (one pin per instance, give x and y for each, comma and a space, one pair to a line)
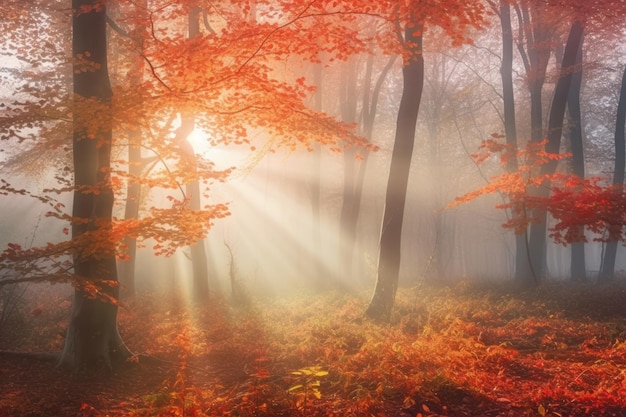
201, 142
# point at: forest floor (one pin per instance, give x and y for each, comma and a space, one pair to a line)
556, 350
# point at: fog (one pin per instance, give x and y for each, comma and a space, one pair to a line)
272, 242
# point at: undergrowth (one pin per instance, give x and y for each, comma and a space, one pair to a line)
559, 350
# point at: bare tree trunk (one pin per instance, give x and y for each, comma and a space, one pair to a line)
391, 234
347, 225
537, 34
133, 190
192, 189
92, 338
523, 269
578, 268
608, 263
321, 273
369, 109
538, 230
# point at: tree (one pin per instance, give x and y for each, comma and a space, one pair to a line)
578, 268
537, 238
391, 232
536, 30
577, 204
92, 337
409, 31
608, 262
187, 125
523, 266
136, 163
538, 24
227, 79
355, 168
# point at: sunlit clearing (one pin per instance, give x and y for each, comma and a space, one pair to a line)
277, 245
272, 244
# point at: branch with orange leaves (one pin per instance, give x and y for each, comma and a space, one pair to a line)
576, 204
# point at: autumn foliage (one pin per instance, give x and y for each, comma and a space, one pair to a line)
229, 80
574, 203
460, 351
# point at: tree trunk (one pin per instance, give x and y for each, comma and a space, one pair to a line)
391, 234
320, 271
608, 263
92, 338
198, 251
135, 167
131, 211
523, 270
347, 223
538, 229
192, 190
578, 269
537, 35
369, 109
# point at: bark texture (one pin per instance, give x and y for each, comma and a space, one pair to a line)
92, 339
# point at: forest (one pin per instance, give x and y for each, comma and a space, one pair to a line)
312, 208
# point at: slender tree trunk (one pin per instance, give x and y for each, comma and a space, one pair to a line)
523, 270
368, 118
538, 230
92, 338
391, 234
537, 40
537, 35
192, 190
608, 263
131, 211
133, 191
347, 225
198, 251
322, 275
578, 269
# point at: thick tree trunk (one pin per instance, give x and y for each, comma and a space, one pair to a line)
391, 234
608, 263
538, 230
578, 268
92, 338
